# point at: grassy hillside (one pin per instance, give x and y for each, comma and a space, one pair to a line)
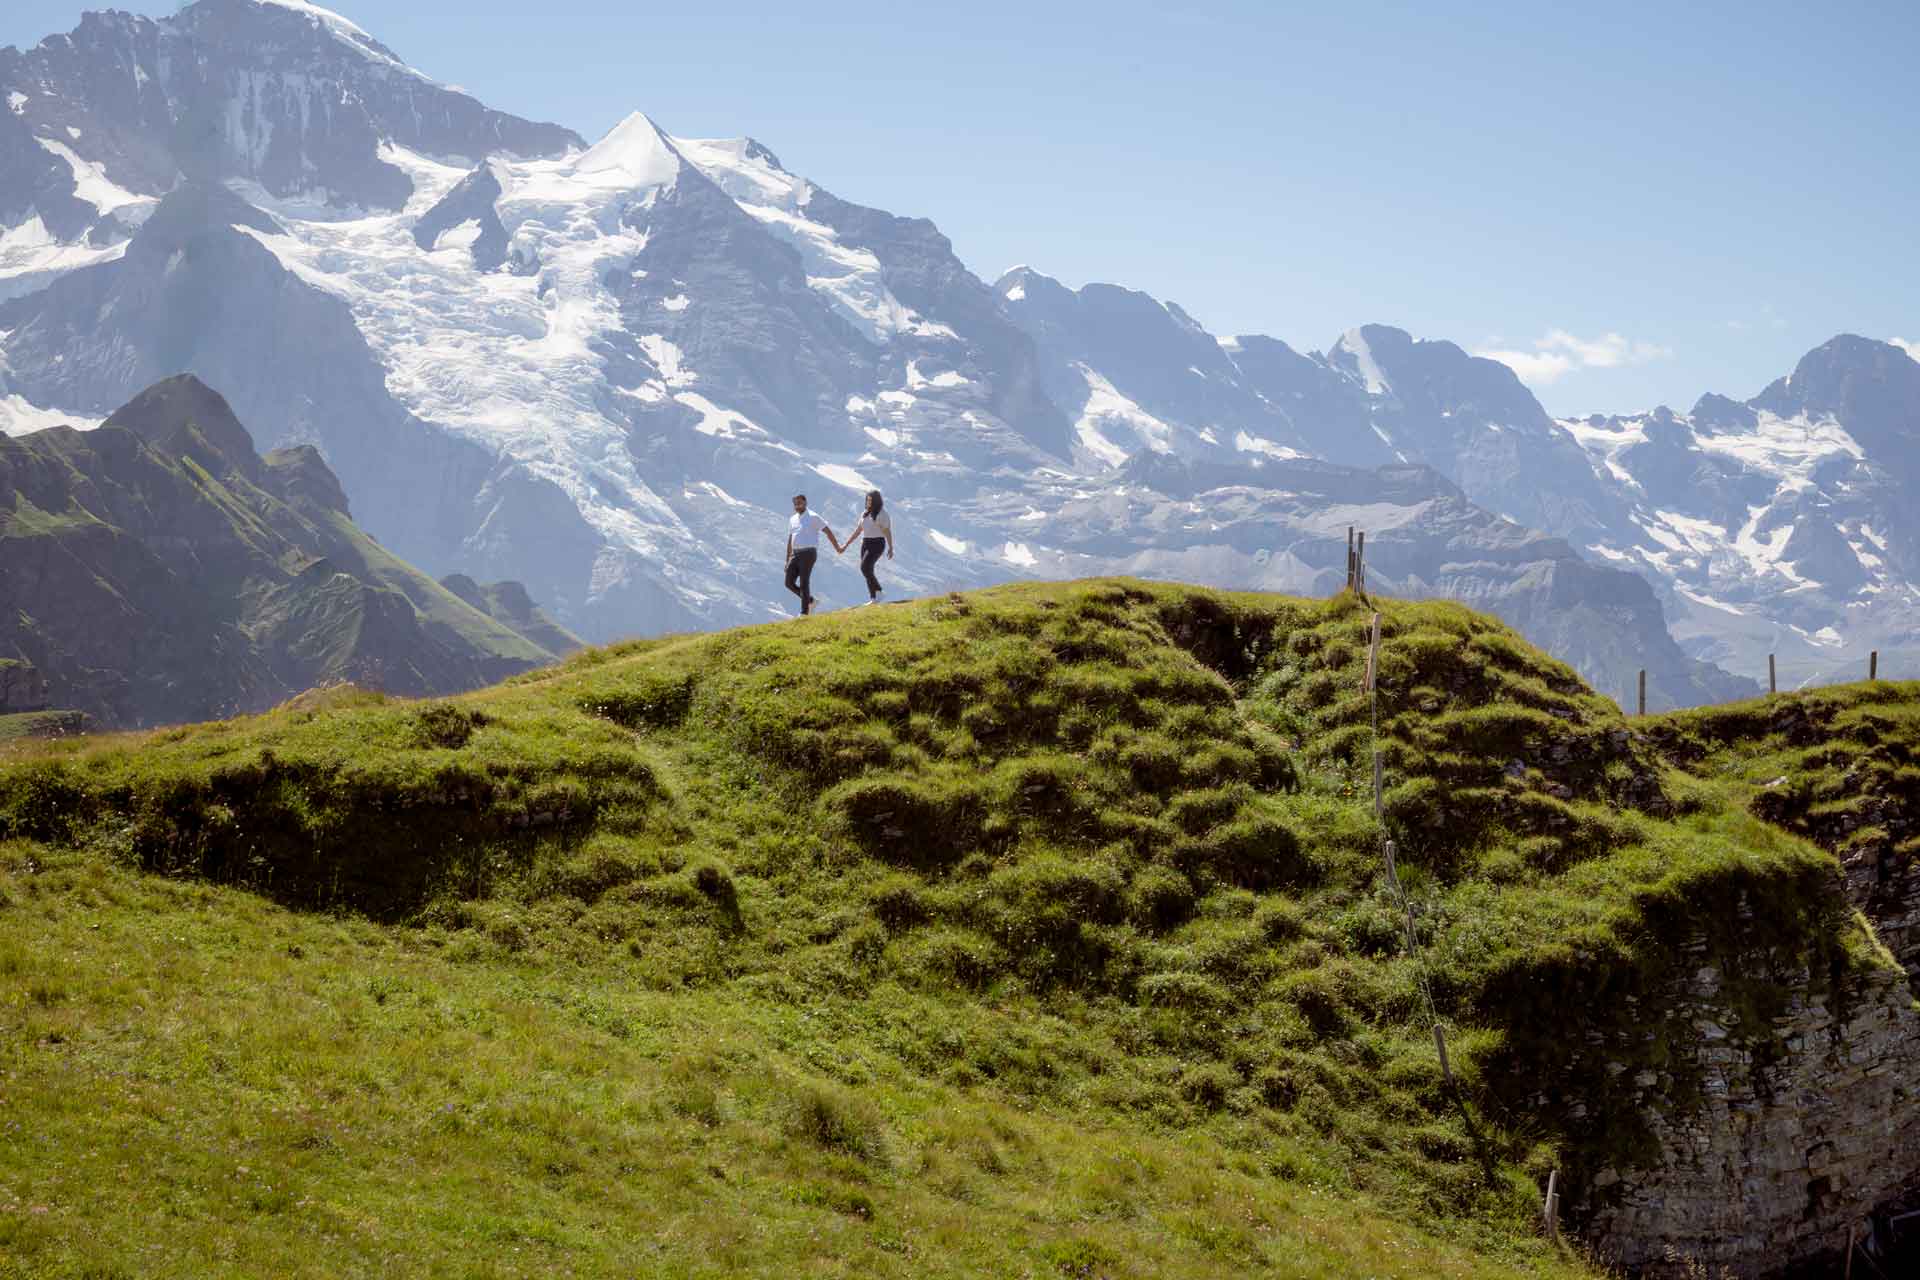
42, 724
1036, 931
1840, 766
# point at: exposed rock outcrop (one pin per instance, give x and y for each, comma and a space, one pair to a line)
1775, 1139
22, 687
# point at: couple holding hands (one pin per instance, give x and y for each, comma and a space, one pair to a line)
874, 530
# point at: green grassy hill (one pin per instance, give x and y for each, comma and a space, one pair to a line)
1037, 931
43, 724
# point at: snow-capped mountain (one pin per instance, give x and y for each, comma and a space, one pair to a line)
1137, 373
1773, 526
1783, 524
602, 369
607, 365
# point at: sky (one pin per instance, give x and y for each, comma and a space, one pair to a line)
1632, 203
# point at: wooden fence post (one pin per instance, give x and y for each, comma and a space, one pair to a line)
1873, 665
1349, 557
1773, 676
1360, 564
1373, 695
1550, 1208
1643, 691
1373, 653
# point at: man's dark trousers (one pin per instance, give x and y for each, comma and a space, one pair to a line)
800, 575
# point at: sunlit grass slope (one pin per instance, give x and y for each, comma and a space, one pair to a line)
1840, 766
1036, 931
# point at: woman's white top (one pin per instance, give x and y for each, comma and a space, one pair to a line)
880, 526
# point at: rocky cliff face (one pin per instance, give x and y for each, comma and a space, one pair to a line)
1777, 1140
22, 687
157, 569
509, 604
1757, 1097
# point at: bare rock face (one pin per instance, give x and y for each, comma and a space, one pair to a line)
1774, 1141
22, 687
1884, 882
473, 203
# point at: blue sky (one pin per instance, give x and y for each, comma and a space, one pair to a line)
1639, 202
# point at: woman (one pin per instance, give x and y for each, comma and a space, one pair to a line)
875, 532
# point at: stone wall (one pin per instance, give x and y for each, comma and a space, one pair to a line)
1775, 1139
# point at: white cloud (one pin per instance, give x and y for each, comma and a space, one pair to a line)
1560, 353
1911, 348
1534, 367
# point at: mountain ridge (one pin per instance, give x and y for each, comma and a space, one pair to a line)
157, 569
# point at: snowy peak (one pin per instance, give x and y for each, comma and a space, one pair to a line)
288, 97
635, 155
1712, 410
1872, 387
1137, 373
857, 260
1439, 374
1782, 524
317, 20
1023, 284
1354, 353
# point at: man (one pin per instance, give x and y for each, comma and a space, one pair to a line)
803, 548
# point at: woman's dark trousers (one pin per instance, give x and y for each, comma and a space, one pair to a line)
871, 549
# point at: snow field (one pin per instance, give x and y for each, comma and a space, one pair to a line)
19, 417
849, 276
504, 359
31, 258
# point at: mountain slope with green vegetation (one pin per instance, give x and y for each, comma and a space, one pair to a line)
158, 570
1040, 930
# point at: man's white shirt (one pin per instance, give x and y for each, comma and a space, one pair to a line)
805, 528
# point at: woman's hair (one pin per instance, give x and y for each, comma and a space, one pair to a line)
875, 502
